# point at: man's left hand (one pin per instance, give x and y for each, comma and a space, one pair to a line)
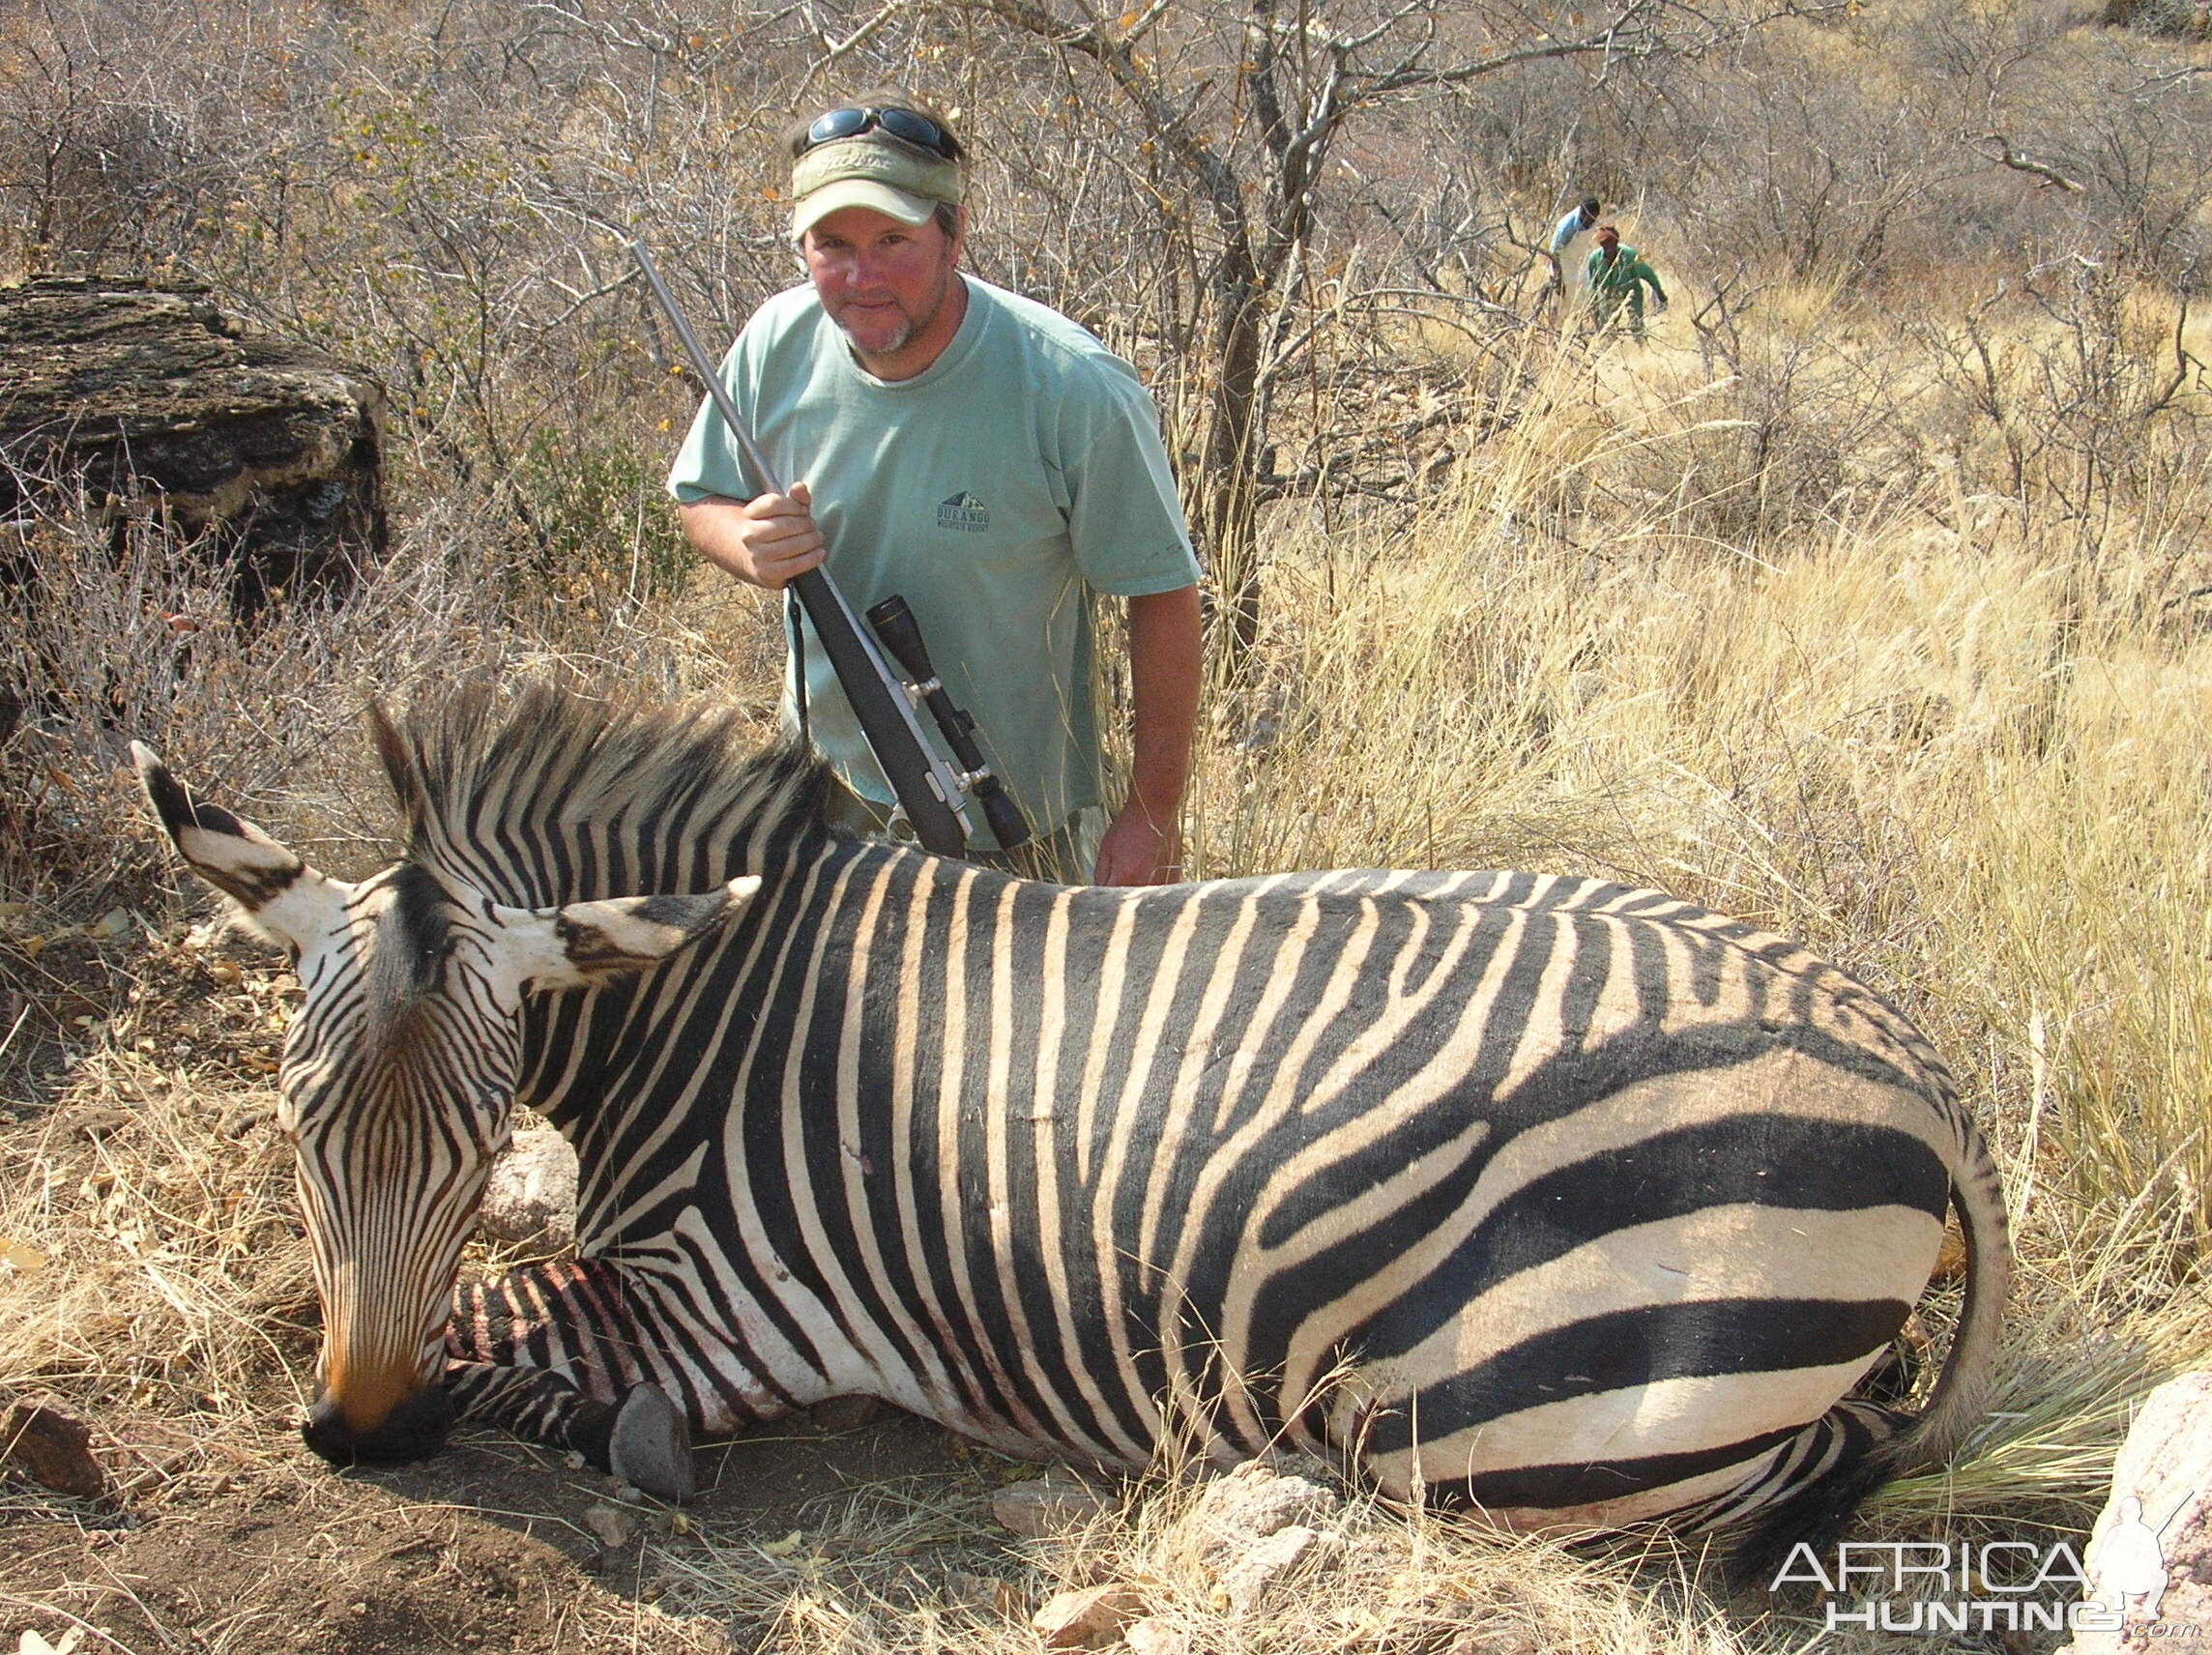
1137, 851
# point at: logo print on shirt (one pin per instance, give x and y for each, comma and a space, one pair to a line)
964, 514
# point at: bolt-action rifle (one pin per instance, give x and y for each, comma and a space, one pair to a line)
930, 792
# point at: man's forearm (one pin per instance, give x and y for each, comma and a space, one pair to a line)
709, 524
1165, 654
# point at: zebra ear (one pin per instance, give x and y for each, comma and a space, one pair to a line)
586, 943
399, 765
280, 896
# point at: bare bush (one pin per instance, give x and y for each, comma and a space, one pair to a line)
2086, 379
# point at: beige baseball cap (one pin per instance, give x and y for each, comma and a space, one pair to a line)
875, 170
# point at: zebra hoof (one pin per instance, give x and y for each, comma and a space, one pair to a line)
649, 1446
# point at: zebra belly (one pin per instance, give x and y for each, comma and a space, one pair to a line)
1527, 1323
1622, 1322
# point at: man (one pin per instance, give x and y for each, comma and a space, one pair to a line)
977, 454
1577, 220
1617, 277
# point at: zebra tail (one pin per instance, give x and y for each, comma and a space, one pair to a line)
1815, 1513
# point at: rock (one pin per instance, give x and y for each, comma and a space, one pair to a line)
1046, 1506
1249, 1504
1252, 1576
531, 1198
1153, 1636
986, 1594
51, 1448
611, 1526
163, 404
2153, 1541
1088, 1619
842, 1413
97, 1124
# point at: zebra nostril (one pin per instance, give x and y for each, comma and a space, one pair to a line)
328, 1434
414, 1430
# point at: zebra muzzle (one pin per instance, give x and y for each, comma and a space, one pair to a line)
413, 1429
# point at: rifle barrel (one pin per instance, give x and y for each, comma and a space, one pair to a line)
931, 800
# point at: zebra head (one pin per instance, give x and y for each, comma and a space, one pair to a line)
399, 1080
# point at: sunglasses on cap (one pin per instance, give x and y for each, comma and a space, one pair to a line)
904, 125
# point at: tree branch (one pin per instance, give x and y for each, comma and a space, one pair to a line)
2007, 156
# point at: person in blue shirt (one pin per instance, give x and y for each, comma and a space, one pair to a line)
1576, 221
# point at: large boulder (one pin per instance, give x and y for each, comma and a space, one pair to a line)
2150, 1554
161, 403
530, 1200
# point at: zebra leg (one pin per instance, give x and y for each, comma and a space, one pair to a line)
640, 1436
551, 1354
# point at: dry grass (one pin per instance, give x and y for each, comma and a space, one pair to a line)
1905, 718
889, 1573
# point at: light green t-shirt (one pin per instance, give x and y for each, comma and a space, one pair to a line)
989, 491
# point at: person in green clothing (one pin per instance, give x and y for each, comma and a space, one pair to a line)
981, 456
1617, 277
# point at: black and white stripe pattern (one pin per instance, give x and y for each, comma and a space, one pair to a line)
1564, 1198
394, 1101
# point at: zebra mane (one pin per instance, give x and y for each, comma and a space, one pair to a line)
552, 793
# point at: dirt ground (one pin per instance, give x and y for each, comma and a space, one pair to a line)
491, 1546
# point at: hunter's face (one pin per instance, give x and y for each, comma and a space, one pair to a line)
892, 288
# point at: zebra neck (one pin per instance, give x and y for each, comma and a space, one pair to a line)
643, 1076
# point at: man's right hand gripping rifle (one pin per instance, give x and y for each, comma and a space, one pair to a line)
767, 542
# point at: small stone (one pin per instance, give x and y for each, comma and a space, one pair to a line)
1088, 1619
986, 1594
1256, 1573
1153, 1636
53, 1448
611, 1526
1046, 1506
1251, 1502
104, 1123
842, 1413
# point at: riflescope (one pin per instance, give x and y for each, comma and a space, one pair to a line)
901, 635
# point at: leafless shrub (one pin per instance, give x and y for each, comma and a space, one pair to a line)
2184, 19
2088, 380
